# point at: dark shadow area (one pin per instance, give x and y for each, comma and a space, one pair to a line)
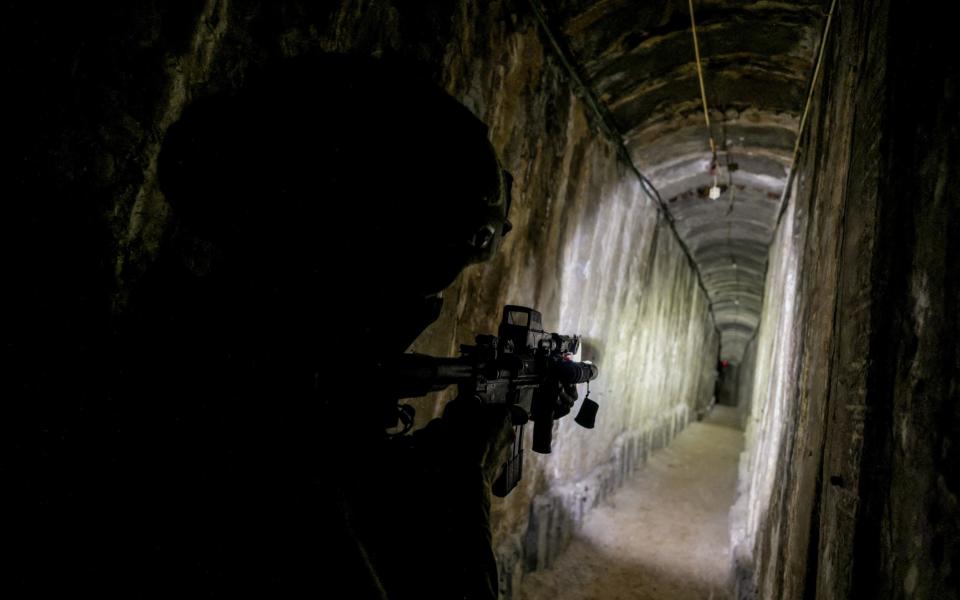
234, 442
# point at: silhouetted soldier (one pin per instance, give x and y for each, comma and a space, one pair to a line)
316, 214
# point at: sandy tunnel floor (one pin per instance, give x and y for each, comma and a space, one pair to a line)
664, 535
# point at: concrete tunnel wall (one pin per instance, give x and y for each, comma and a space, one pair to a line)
765, 394
849, 482
588, 249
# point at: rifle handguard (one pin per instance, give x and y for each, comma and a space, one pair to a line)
569, 372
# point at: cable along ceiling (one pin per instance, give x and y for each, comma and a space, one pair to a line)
753, 62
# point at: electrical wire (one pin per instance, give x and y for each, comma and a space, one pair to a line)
703, 89
806, 111
605, 123
800, 130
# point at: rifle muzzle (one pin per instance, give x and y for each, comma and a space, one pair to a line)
570, 372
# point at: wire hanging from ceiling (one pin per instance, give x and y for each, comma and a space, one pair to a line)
806, 111
715, 190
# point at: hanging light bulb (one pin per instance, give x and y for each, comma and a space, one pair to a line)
714, 166
715, 190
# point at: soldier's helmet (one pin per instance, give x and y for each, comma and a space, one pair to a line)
358, 172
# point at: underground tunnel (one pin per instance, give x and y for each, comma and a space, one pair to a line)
747, 212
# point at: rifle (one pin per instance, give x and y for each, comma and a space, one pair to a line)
524, 367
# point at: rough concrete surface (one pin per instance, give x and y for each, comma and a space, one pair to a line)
663, 536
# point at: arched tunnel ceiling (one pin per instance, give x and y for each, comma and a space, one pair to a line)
757, 58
